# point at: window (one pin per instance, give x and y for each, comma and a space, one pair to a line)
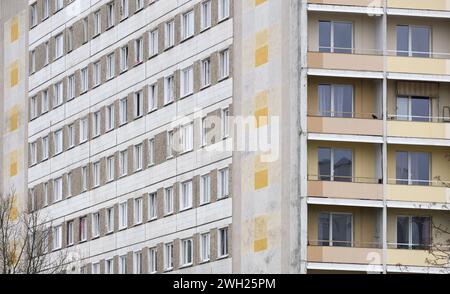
152, 97
57, 190
96, 225
139, 4
84, 130
223, 183
69, 184
45, 101
168, 258
187, 137
187, 81
335, 164
59, 46
414, 108
151, 151
206, 72
152, 208
226, 122
413, 41
170, 144
124, 8
123, 218
97, 73
138, 210
123, 163
223, 243
83, 229
413, 168
110, 66
33, 14
153, 42
57, 237
110, 220
45, 149
336, 100
123, 264
188, 24
97, 23
110, 15
206, 15
335, 37
47, 53
186, 252
224, 64
138, 157
110, 117
205, 189
124, 58
71, 135
96, 167
138, 104
152, 260
204, 132
186, 195
170, 34
96, 126
45, 194
33, 107
33, 61
414, 232
137, 264
168, 201
169, 89
224, 9
109, 266
110, 168
70, 39
335, 229
84, 80
32, 199
59, 5
58, 95
139, 50
70, 233
58, 137
85, 30
205, 245
84, 178
71, 87
123, 112
46, 9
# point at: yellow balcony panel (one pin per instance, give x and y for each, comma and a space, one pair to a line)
342, 61
345, 126
365, 3
407, 257
418, 65
344, 255
418, 193
427, 130
420, 4
345, 190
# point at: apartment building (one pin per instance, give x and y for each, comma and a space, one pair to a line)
131, 107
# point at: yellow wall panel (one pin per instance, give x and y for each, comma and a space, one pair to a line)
13, 119
14, 74
13, 166
14, 29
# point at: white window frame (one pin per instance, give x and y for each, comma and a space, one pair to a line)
71, 135
58, 143
224, 64
96, 170
205, 189
187, 137
152, 206
187, 81
153, 260
187, 24
187, 252
138, 210
110, 66
124, 55
168, 256
222, 185
57, 237
59, 46
153, 42
84, 87
110, 119
124, 9
224, 9
168, 201
169, 89
186, 195
95, 225
139, 50
110, 166
205, 15
205, 247
123, 111
45, 148
109, 215
220, 240
123, 163
169, 38
96, 124
97, 23
84, 129
123, 215
151, 151
97, 74
138, 104
137, 262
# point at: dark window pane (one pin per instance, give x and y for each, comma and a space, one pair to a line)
401, 162
342, 37
325, 100
402, 108
420, 108
324, 229
343, 165
402, 232
343, 100
324, 36
324, 164
402, 40
421, 235
420, 41
342, 230
420, 168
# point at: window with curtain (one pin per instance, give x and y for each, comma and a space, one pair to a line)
413, 41
335, 229
335, 164
336, 100
413, 232
413, 168
335, 37
414, 108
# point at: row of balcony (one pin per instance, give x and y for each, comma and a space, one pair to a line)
436, 5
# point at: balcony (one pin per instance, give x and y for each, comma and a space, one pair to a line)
413, 129
349, 255
345, 61
364, 3
440, 5
346, 126
434, 192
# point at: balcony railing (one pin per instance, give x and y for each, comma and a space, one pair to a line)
346, 179
416, 118
380, 52
337, 114
334, 243
413, 182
